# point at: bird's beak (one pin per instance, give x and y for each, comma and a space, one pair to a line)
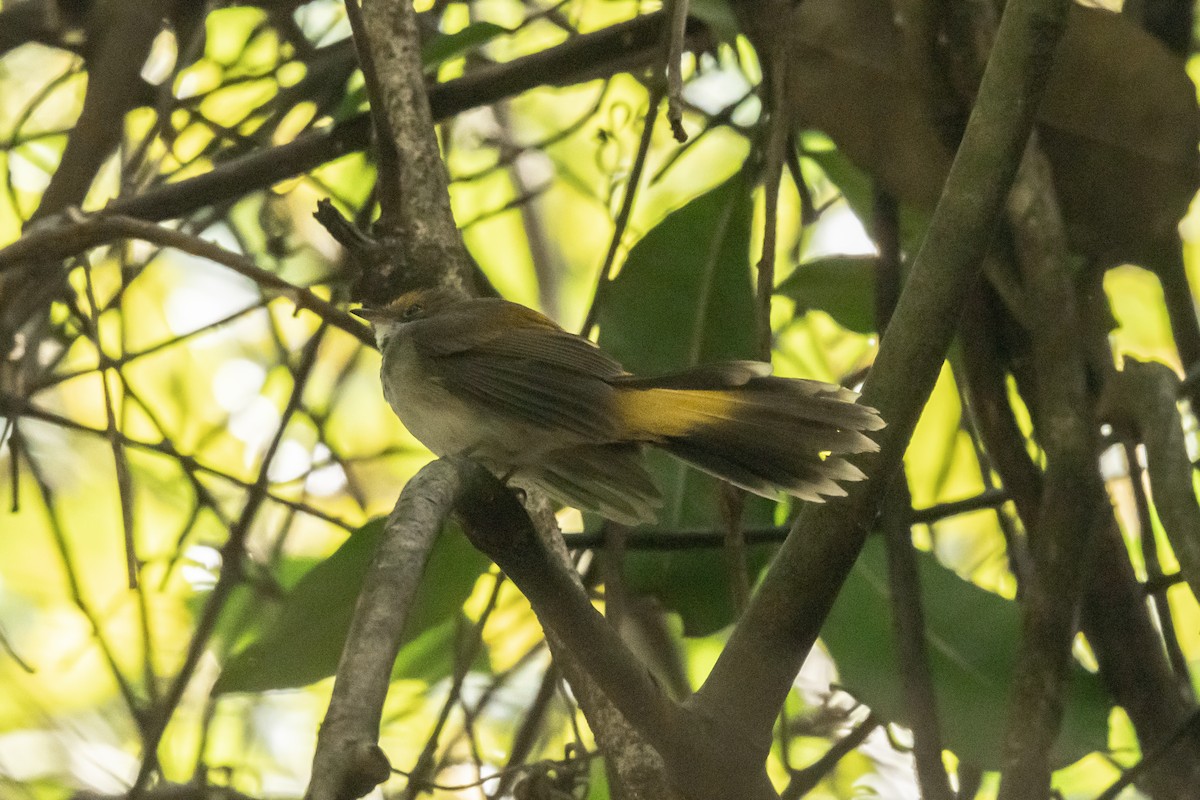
368, 313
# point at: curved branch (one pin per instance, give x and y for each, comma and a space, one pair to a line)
698, 758
348, 762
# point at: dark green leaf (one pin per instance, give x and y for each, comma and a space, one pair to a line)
841, 286
303, 644
684, 297
430, 656
971, 636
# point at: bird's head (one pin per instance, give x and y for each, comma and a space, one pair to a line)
388, 320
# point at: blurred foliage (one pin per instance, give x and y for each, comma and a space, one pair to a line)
189, 385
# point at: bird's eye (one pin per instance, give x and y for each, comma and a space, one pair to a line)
416, 309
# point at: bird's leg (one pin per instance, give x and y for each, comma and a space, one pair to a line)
504, 477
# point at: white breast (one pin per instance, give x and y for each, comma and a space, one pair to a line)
439, 420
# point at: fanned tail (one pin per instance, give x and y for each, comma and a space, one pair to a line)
761, 433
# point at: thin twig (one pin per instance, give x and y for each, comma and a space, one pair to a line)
908, 624
674, 67
1159, 603
805, 780
419, 777
778, 129
53, 243
7, 646
527, 732
232, 554
622, 222
13, 405
58, 531
120, 460
687, 539
1188, 727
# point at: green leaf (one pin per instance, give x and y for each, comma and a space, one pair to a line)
304, 642
446, 46
971, 638
684, 297
430, 656
718, 15
841, 286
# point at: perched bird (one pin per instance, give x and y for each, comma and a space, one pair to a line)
541, 406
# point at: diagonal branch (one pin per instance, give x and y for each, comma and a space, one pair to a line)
780, 626
56, 243
122, 43
623, 47
348, 761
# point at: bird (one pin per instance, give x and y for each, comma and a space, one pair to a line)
539, 406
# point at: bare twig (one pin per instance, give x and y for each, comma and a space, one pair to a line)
232, 555
59, 242
654, 100
909, 627
674, 67
7, 646
122, 42
621, 47
1151, 759
778, 129
120, 461
644, 539
1154, 573
419, 778
805, 780
528, 731
908, 619
63, 547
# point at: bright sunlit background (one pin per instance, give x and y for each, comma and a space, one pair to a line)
209, 363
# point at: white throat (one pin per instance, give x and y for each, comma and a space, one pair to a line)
385, 331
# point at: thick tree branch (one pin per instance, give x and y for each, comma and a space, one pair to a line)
779, 628
348, 762
1061, 539
416, 224
698, 761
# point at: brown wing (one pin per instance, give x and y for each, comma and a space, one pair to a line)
513, 361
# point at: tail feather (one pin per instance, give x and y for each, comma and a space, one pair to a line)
764, 434
607, 479
807, 483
